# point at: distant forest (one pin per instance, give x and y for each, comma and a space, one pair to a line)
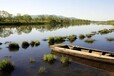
9, 19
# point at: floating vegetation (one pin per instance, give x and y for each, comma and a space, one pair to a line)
89, 35
35, 43
42, 70
89, 40
32, 60
32, 43
105, 31
94, 32
6, 66
49, 57
110, 39
64, 60
112, 29
13, 47
25, 44
56, 39
51, 40
81, 36
72, 38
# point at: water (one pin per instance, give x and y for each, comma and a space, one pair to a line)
28, 33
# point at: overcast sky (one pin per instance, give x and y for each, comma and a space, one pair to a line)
84, 9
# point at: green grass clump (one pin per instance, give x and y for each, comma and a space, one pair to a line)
104, 31
49, 57
56, 39
112, 29
90, 40
110, 39
72, 37
89, 35
64, 60
51, 40
13, 46
32, 43
32, 60
35, 43
81, 36
42, 70
25, 44
6, 66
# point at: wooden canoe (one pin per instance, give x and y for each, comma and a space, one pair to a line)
87, 53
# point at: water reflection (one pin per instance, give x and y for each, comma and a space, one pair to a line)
6, 31
13, 49
21, 56
99, 65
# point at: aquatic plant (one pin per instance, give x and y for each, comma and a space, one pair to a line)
32, 60
112, 29
42, 70
49, 57
110, 39
89, 40
6, 66
35, 43
81, 36
25, 44
56, 39
51, 40
104, 31
32, 43
59, 39
72, 37
89, 35
13, 46
64, 60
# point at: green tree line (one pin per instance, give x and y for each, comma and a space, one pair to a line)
7, 18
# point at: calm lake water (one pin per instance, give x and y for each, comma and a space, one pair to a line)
77, 67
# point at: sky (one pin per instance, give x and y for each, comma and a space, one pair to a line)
82, 9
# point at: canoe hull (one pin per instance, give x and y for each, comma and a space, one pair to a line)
85, 55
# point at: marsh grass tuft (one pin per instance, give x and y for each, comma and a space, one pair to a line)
110, 39
32, 60
42, 70
25, 44
13, 46
35, 43
32, 43
64, 60
105, 31
49, 57
81, 36
51, 40
72, 38
89, 40
6, 66
89, 35
56, 39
